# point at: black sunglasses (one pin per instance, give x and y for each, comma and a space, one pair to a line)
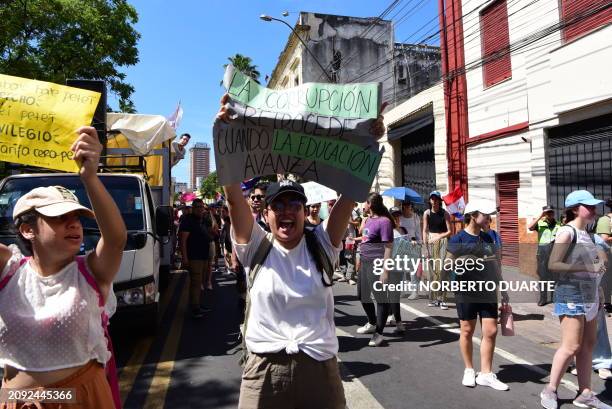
257, 197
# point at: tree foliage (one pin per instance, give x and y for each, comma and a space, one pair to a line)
210, 186
55, 40
245, 65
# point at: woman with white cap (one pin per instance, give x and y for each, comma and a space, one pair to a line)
436, 231
53, 304
574, 260
475, 259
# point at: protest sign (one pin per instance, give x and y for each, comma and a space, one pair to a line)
338, 100
38, 121
299, 137
317, 193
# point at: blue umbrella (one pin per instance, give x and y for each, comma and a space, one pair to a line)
404, 194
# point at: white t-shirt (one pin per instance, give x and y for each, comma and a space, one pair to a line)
50, 323
291, 310
412, 226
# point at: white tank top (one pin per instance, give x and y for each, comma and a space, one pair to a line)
50, 323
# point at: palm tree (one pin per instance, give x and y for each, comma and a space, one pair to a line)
245, 65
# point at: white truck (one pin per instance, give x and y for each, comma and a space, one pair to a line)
146, 212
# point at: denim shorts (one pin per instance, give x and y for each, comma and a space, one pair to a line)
569, 309
574, 296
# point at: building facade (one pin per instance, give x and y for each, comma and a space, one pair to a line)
199, 164
415, 145
345, 49
528, 96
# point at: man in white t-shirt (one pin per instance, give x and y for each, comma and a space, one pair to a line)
290, 328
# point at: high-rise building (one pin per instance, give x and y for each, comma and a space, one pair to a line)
199, 163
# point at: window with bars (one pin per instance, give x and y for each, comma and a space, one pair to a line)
495, 36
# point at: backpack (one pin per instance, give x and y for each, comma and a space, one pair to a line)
323, 263
110, 367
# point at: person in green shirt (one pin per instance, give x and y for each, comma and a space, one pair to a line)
546, 225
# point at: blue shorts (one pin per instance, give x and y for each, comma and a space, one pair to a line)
569, 309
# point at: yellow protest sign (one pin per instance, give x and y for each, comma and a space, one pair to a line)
38, 121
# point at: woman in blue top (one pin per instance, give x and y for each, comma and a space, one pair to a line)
473, 243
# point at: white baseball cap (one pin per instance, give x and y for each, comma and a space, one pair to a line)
50, 201
482, 206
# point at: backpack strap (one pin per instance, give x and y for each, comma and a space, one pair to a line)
322, 261
111, 366
12, 272
258, 259
572, 244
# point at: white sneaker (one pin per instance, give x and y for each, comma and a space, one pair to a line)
391, 320
400, 328
376, 340
367, 329
605, 373
490, 379
352, 282
443, 305
469, 378
432, 304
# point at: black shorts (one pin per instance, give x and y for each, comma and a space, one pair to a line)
471, 311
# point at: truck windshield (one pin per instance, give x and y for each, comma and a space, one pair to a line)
125, 190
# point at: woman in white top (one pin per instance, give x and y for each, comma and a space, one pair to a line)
575, 262
412, 223
50, 314
290, 329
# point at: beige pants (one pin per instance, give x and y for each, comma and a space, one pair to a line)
89, 385
198, 271
290, 381
437, 251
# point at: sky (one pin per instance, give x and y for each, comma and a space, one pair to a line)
185, 43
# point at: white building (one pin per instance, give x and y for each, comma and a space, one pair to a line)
538, 103
415, 145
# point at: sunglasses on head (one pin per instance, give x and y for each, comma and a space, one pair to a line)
257, 197
291, 206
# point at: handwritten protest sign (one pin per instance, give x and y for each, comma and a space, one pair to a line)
38, 121
330, 143
344, 100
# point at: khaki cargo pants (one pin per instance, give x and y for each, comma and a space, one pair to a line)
282, 381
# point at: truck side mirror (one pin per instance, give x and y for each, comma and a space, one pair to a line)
163, 220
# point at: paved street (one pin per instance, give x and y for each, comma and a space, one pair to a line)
194, 363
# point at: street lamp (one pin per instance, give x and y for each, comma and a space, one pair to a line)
265, 17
